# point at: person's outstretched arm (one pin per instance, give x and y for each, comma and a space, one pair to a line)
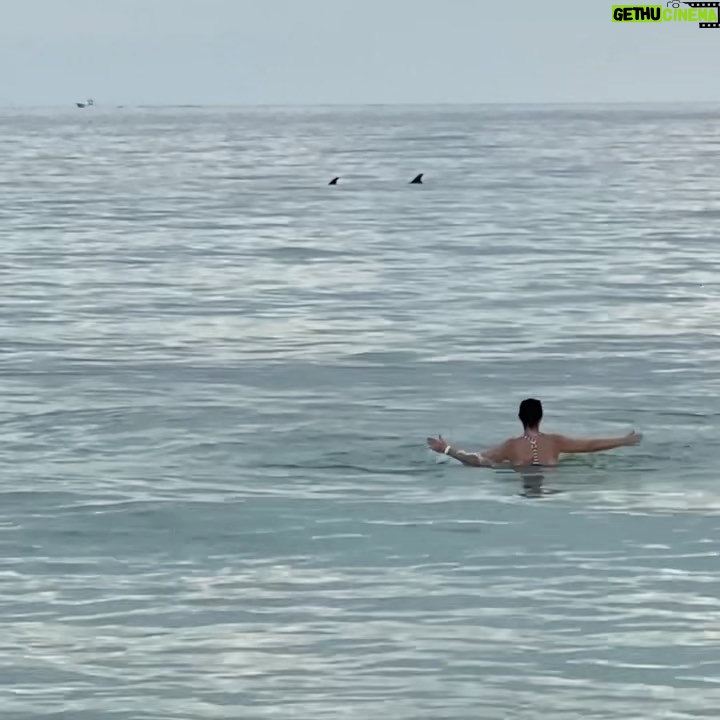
487, 459
570, 445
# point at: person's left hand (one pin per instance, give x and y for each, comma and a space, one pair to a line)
438, 445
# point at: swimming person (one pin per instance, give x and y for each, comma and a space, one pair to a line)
532, 448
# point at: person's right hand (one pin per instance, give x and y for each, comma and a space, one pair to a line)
438, 445
633, 438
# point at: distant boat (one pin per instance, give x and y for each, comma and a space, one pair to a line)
89, 103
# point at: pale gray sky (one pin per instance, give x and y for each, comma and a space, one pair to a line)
53, 52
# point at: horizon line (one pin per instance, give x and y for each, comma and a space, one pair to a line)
188, 105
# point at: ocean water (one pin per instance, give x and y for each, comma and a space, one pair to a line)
217, 376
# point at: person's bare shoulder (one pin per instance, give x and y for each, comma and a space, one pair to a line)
561, 443
513, 449
553, 443
504, 452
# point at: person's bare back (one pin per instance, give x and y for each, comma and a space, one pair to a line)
533, 448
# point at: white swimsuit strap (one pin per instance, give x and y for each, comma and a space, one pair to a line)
534, 448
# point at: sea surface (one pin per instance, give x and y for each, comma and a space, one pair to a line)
218, 373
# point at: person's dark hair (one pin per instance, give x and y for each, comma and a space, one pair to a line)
530, 413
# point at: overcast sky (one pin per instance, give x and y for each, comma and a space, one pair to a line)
53, 52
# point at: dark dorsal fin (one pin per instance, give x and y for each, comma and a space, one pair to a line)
334, 181
417, 180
